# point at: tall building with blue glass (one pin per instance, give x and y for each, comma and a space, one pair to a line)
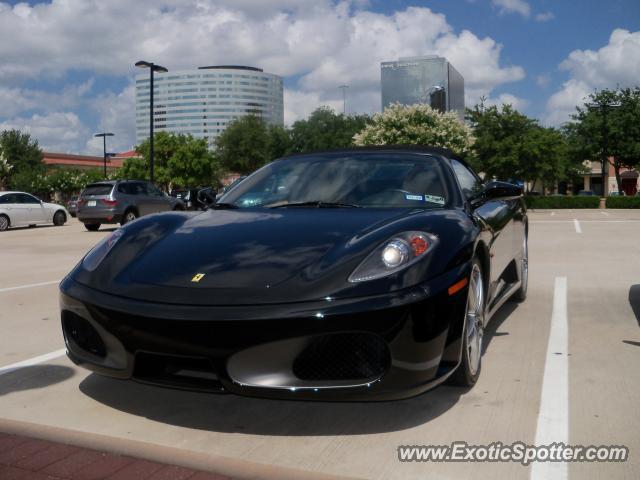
203, 101
427, 79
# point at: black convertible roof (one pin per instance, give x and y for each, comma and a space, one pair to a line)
383, 148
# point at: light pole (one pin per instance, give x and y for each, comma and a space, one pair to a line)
104, 136
152, 68
344, 98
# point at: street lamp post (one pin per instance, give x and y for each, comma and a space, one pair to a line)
152, 68
104, 136
344, 98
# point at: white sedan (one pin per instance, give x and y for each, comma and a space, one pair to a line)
19, 209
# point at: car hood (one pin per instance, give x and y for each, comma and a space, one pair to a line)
251, 256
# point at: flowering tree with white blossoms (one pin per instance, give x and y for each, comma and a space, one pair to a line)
417, 125
5, 170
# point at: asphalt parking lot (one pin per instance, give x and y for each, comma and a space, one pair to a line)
560, 367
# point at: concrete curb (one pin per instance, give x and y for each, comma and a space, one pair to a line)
236, 468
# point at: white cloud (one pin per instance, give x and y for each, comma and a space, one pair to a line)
513, 6
545, 16
615, 64
321, 43
543, 80
14, 100
517, 103
117, 116
55, 131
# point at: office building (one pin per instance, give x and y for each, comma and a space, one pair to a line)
428, 79
203, 101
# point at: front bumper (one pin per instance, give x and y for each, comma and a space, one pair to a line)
377, 348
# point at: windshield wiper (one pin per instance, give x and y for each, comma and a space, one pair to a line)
223, 206
317, 204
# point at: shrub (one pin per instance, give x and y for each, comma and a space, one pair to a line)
562, 202
623, 202
416, 125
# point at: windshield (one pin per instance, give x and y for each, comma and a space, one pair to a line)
369, 180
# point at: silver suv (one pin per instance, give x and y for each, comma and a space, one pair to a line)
121, 201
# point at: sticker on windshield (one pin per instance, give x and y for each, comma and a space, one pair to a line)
434, 199
413, 197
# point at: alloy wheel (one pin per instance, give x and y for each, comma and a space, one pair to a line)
524, 268
474, 326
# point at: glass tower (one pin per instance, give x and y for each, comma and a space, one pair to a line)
203, 101
428, 79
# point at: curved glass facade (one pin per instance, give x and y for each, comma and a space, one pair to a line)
202, 102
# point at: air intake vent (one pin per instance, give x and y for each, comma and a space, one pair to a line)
343, 356
83, 334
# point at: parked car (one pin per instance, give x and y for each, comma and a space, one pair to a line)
19, 209
72, 205
360, 274
122, 201
188, 196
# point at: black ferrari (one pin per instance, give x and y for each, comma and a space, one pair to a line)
359, 274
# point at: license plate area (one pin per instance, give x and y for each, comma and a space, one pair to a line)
91, 203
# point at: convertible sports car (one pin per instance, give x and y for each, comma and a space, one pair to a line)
360, 274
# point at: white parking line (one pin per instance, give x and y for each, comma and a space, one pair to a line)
576, 224
585, 221
32, 285
32, 361
553, 418
604, 213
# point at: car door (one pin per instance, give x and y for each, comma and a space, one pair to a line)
497, 215
17, 212
32, 208
158, 202
139, 197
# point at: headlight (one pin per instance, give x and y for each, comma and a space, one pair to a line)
394, 255
92, 259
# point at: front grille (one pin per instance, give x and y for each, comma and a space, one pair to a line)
191, 373
83, 334
343, 356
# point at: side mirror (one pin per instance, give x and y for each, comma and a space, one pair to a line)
496, 189
206, 197
501, 189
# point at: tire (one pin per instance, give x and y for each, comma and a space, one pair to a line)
467, 373
59, 218
521, 294
129, 216
4, 223
92, 227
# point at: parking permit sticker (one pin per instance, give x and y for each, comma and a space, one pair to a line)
434, 199
413, 197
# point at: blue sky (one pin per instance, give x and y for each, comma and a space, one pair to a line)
67, 65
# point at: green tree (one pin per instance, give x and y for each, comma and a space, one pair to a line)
510, 145
24, 154
607, 128
417, 124
325, 130
246, 145
178, 160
